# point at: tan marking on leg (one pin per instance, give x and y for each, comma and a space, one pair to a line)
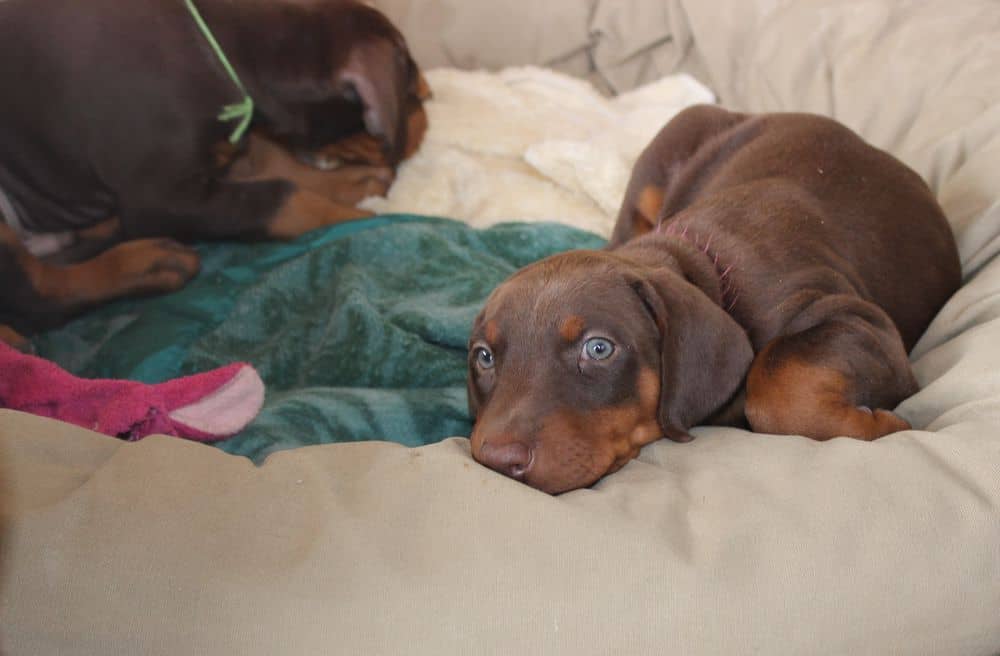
266, 159
361, 148
347, 185
793, 397
147, 266
357, 148
572, 328
9, 237
304, 211
140, 267
13, 338
101, 231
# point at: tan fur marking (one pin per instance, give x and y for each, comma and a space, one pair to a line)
304, 211
9, 237
576, 458
101, 231
423, 88
266, 159
145, 266
647, 209
363, 148
357, 148
602, 441
416, 127
11, 337
572, 328
492, 332
792, 397
648, 386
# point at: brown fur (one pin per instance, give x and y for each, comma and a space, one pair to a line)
773, 287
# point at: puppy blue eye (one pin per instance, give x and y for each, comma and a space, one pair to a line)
484, 358
598, 348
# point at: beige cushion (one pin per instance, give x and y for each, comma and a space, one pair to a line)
616, 44
492, 35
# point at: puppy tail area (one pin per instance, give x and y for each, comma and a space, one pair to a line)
205, 407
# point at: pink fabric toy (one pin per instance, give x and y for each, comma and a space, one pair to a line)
203, 407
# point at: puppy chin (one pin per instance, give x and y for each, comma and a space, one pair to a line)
557, 486
555, 475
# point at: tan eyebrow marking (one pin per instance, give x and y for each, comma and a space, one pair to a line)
571, 328
492, 332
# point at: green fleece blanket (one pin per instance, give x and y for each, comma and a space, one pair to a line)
359, 331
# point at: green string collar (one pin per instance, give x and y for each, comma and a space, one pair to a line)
242, 110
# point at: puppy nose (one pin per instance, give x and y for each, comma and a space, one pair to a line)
511, 459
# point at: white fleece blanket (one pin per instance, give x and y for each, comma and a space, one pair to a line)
531, 144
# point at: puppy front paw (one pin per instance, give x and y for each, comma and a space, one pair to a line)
149, 266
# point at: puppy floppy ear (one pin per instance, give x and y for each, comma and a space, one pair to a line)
705, 354
374, 72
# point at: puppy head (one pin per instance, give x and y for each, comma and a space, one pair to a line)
578, 361
349, 70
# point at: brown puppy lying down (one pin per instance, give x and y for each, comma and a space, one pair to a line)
112, 133
766, 271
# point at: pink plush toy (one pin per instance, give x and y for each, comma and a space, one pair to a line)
203, 407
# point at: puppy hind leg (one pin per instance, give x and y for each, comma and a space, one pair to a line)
839, 378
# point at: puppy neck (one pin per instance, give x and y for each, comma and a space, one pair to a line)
688, 254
